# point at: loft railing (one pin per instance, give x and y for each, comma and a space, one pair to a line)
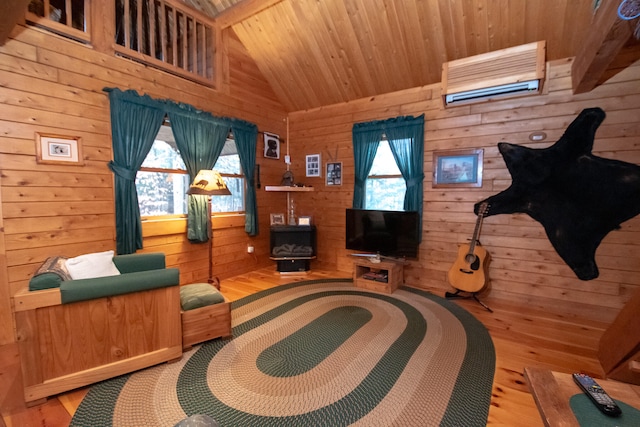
160, 33
164, 34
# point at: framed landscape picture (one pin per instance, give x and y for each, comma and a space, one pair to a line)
457, 168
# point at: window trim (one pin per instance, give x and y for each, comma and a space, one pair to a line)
384, 176
64, 29
170, 217
381, 177
167, 226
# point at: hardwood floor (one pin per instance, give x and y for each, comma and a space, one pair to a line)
522, 337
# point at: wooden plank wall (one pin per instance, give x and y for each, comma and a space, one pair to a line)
54, 85
525, 268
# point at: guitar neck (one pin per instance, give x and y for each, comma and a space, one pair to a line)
476, 230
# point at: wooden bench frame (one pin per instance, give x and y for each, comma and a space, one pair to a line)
66, 346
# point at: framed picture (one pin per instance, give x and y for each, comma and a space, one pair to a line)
58, 149
313, 165
277, 219
271, 146
304, 220
334, 173
457, 168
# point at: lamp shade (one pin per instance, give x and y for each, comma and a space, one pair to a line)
209, 183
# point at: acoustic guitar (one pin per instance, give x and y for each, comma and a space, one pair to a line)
468, 273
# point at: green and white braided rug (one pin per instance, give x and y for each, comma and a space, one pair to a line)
318, 353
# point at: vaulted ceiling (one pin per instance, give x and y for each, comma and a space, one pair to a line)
322, 52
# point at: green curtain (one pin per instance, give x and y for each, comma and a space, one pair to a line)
406, 139
245, 135
200, 139
366, 139
135, 121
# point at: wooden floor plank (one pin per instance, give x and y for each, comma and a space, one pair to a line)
522, 337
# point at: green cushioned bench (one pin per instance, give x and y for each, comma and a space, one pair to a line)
77, 332
139, 272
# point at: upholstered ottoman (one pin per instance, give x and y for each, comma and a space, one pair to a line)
206, 314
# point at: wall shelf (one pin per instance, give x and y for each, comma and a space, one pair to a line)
286, 188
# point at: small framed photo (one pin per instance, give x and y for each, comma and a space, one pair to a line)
271, 146
304, 220
334, 173
457, 168
58, 149
313, 165
277, 219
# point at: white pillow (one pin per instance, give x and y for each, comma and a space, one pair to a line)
90, 266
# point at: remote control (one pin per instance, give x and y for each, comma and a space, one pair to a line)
598, 396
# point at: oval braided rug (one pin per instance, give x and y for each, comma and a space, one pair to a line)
318, 353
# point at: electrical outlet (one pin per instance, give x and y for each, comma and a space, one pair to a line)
250, 249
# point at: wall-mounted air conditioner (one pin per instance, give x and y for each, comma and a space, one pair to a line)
510, 72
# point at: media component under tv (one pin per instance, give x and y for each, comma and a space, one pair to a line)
387, 233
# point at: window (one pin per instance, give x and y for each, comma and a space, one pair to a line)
65, 17
385, 187
163, 181
228, 164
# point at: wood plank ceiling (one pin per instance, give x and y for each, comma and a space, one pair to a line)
322, 52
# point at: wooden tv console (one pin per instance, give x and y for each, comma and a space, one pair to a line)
390, 274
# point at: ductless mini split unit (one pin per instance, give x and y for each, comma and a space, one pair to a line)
511, 72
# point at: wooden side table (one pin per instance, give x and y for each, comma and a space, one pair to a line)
552, 391
388, 275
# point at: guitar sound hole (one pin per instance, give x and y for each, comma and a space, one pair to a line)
474, 263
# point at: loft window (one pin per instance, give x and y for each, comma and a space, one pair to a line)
385, 187
65, 17
162, 181
165, 36
156, 33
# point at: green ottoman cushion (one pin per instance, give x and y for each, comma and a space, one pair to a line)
199, 295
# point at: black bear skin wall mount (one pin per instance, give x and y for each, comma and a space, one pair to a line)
576, 196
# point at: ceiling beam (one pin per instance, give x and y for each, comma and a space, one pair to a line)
607, 35
243, 10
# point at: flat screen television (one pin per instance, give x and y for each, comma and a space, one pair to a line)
388, 233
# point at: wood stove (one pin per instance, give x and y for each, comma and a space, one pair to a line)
293, 247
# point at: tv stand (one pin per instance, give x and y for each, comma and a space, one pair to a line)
366, 255
371, 272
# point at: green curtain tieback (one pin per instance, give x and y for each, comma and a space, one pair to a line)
122, 172
415, 181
